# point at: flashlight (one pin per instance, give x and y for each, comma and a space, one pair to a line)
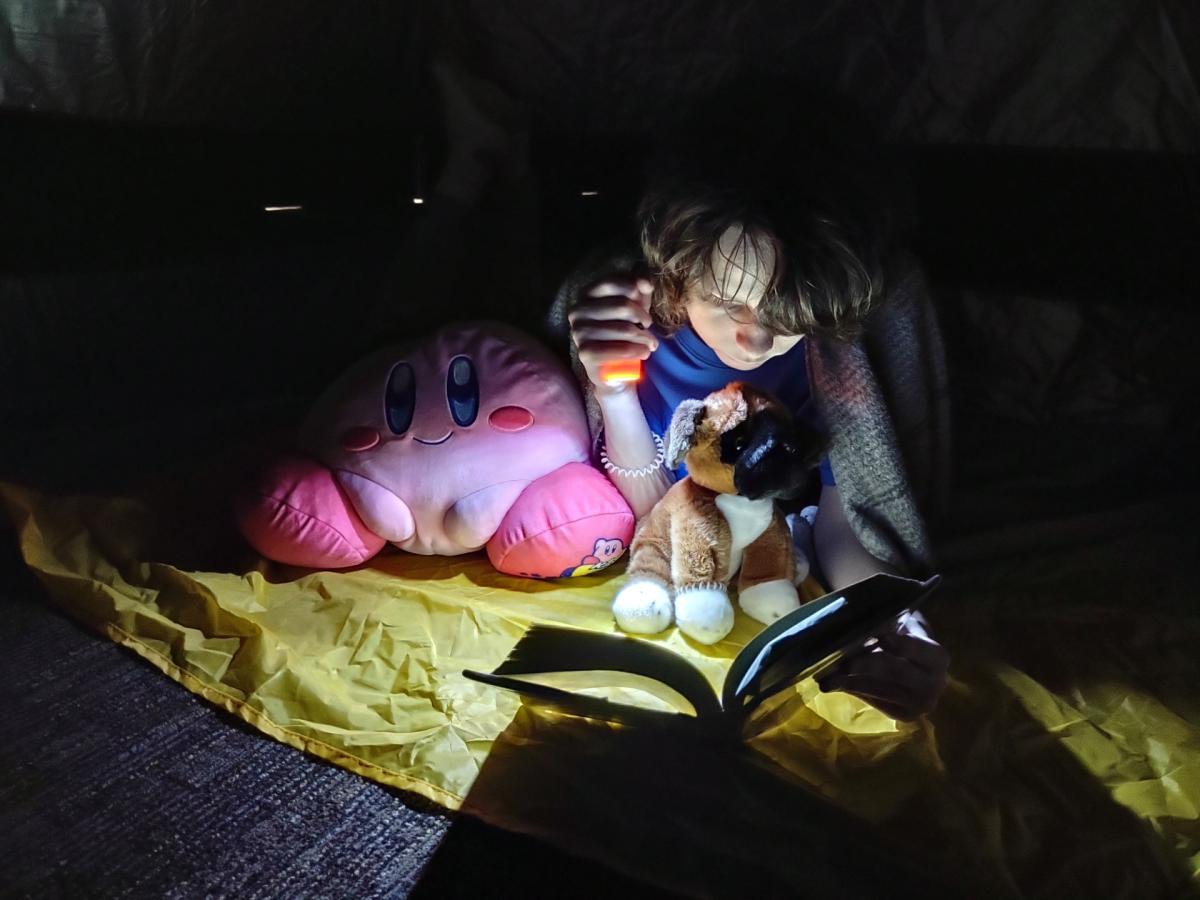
619, 370
623, 370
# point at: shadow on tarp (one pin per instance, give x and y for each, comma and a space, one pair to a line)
1015, 816
685, 815
476, 860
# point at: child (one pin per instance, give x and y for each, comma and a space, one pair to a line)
745, 273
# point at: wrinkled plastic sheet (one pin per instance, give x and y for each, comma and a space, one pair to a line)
1064, 759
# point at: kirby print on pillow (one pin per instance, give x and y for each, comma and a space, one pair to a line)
474, 437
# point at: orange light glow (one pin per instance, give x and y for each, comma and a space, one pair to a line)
621, 370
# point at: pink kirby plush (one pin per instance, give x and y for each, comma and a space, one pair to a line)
473, 437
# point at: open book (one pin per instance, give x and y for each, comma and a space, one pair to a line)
551, 666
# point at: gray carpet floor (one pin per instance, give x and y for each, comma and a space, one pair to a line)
115, 782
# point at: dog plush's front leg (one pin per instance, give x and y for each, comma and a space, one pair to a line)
702, 608
766, 591
643, 605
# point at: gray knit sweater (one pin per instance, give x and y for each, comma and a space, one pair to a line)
884, 402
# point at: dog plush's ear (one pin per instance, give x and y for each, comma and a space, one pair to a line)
682, 432
727, 408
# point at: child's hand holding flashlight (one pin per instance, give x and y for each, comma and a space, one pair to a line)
610, 329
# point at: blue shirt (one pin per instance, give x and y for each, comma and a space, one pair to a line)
685, 368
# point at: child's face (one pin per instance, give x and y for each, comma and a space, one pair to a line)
721, 306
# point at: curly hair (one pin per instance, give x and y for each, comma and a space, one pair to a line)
809, 209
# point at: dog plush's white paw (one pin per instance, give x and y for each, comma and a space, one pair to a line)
642, 607
802, 567
801, 526
704, 614
769, 601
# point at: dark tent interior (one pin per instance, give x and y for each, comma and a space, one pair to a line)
209, 213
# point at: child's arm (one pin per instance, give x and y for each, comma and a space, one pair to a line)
843, 559
609, 323
629, 445
905, 673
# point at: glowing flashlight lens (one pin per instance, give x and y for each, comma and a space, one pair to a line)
621, 370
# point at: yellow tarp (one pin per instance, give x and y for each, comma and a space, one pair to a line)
1012, 777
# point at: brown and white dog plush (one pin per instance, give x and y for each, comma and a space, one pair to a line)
743, 451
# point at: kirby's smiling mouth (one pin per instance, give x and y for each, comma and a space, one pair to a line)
442, 441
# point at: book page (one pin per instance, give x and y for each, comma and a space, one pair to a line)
625, 688
818, 633
755, 666
551, 664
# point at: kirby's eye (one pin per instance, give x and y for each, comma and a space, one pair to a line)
462, 391
401, 398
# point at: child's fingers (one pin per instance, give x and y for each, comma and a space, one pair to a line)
898, 700
903, 681
612, 330
616, 287
921, 652
594, 352
883, 690
891, 667
610, 307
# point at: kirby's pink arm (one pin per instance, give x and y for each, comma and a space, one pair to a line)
381, 510
473, 520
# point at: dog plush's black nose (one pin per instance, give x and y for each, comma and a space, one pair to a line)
771, 466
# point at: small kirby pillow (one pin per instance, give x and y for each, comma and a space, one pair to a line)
574, 508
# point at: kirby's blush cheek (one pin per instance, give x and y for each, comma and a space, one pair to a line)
511, 419
359, 439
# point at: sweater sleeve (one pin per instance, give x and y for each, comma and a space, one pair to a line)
883, 399
906, 353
